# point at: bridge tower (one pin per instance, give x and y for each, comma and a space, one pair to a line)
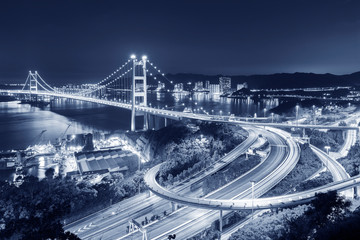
33, 82
138, 89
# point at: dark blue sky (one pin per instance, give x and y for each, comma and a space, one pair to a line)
86, 40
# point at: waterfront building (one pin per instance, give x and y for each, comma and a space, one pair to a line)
72, 88
214, 88
225, 85
179, 87
199, 86
207, 85
104, 161
161, 87
240, 86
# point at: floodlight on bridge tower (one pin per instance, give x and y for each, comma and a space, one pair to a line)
138, 89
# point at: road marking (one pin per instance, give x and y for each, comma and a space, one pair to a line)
86, 227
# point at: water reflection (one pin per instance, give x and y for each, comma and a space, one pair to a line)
20, 124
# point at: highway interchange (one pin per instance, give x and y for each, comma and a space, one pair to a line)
189, 220
185, 217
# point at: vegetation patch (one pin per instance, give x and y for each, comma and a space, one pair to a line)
351, 162
197, 150
321, 180
327, 217
307, 165
234, 170
36, 208
332, 138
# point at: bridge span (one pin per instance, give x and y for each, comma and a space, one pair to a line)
179, 115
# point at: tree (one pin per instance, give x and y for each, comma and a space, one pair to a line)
326, 209
49, 173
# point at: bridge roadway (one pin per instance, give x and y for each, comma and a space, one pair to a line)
139, 206
177, 115
278, 163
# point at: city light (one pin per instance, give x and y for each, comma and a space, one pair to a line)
133, 56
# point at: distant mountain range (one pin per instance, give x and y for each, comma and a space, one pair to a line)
278, 80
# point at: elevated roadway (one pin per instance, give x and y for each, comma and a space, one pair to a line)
262, 185
258, 203
178, 115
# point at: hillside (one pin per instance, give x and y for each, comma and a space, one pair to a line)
278, 80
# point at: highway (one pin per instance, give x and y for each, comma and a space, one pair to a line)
335, 168
114, 226
189, 220
285, 158
337, 171
140, 206
349, 142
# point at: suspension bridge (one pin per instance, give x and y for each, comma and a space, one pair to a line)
129, 83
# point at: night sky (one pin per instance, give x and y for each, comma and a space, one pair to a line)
79, 41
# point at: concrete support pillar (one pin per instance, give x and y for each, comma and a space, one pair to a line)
149, 194
166, 122
221, 221
344, 133
133, 120
174, 206
146, 121
356, 193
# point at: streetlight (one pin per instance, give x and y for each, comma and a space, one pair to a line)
252, 198
327, 151
314, 114
139, 171
297, 113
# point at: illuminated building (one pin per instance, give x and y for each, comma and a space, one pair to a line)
225, 85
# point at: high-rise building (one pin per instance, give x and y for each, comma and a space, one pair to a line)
225, 85
161, 86
214, 88
207, 85
199, 86
179, 87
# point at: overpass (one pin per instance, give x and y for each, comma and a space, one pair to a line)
342, 182
242, 204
